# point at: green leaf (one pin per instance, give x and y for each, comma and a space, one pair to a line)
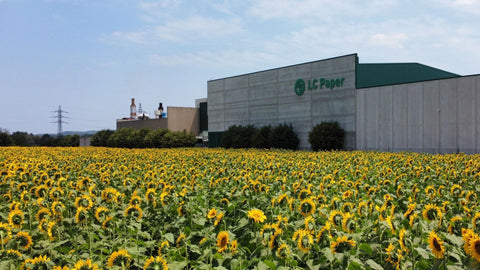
354, 266
177, 265
422, 252
199, 221
242, 223
170, 238
422, 265
372, 264
366, 248
328, 254
270, 264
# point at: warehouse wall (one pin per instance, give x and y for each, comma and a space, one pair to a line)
439, 116
268, 98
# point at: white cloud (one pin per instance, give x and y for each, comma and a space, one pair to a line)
466, 6
317, 9
388, 40
192, 29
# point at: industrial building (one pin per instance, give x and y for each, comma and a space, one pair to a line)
190, 119
385, 107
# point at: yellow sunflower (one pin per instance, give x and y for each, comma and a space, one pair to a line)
219, 218
24, 240
304, 239
234, 246
36, 263
394, 256
432, 212
85, 265
436, 245
15, 218
273, 243
81, 215
100, 212
474, 247
455, 225
467, 234
84, 201
57, 208
401, 240
283, 251
133, 211
157, 263
222, 241
476, 220
5, 232
342, 244
336, 218
257, 215
119, 256
212, 213
307, 207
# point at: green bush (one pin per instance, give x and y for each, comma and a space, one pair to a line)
262, 138
283, 137
155, 139
101, 138
238, 136
121, 138
137, 138
175, 139
326, 136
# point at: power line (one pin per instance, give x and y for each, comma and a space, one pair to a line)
59, 120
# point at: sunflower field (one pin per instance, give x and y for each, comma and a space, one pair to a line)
106, 208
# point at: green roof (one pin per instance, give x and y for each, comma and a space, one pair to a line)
371, 75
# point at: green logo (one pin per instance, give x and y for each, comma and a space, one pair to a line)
299, 87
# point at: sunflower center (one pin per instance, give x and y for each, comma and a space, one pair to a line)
477, 247
223, 242
437, 245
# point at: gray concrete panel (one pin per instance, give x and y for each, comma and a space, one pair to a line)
466, 115
240, 114
477, 113
264, 112
215, 86
431, 116
291, 74
385, 113
415, 116
237, 82
236, 95
361, 119
263, 77
371, 129
263, 94
294, 110
448, 116
400, 118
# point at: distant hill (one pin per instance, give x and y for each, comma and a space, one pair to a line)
79, 133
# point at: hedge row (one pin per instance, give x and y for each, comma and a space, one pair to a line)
130, 138
280, 137
323, 137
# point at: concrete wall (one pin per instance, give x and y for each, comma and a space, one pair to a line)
85, 141
268, 98
438, 116
152, 124
183, 118
178, 119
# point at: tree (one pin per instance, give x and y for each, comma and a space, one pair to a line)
101, 137
5, 139
326, 136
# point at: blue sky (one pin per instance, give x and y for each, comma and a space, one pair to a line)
91, 57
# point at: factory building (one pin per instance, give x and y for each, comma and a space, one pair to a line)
190, 119
385, 107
